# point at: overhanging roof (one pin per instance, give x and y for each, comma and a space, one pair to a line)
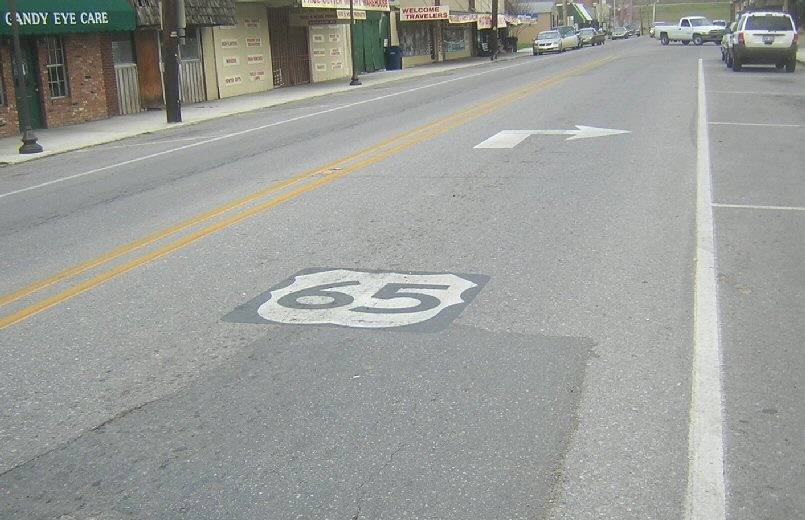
198, 12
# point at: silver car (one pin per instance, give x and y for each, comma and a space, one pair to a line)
548, 41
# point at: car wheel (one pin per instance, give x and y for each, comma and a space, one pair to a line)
697, 40
791, 66
685, 42
664, 39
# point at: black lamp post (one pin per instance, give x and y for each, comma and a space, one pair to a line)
354, 81
29, 140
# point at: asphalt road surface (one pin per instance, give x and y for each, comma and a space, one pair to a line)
346, 308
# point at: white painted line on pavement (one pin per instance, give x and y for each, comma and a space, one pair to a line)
706, 495
152, 143
728, 123
748, 93
258, 128
756, 206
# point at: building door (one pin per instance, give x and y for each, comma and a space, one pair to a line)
290, 60
370, 36
30, 94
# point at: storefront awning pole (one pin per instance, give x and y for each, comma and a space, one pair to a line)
354, 81
29, 140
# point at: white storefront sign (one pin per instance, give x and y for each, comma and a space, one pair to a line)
424, 13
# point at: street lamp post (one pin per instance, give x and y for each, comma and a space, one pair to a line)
29, 140
354, 81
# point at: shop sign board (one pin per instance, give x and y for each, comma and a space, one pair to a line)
424, 13
307, 17
463, 18
363, 5
68, 16
485, 21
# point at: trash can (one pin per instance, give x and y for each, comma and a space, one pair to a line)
393, 58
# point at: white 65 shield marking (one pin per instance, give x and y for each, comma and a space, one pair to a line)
363, 299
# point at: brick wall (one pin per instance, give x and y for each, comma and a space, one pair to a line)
109, 79
9, 121
87, 92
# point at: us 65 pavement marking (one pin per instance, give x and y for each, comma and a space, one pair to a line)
364, 299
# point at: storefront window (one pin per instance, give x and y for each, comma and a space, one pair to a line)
122, 49
191, 49
57, 67
454, 39
415, 39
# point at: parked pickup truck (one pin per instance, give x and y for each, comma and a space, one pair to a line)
696, 29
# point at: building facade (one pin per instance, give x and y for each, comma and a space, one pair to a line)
68, 70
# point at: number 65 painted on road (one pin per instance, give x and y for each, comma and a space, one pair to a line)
367, 299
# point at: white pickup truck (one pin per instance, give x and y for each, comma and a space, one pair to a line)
696, 29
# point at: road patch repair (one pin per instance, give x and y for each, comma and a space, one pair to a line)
335, 423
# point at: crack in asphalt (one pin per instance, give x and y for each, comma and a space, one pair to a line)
360, 494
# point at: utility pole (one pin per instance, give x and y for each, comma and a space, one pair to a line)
354, 81
172, 14
493, 45
29, 140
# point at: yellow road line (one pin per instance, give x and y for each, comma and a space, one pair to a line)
404, 141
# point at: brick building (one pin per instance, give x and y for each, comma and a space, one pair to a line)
68, 71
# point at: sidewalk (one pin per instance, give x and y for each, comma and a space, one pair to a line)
73, 137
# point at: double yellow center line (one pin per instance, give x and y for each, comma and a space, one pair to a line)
301, 183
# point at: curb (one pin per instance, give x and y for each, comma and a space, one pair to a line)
28, 158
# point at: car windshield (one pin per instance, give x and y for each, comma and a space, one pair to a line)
769, 23
699, 22
548, 35
587, 32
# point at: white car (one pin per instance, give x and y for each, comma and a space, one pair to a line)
765, 37
570, 40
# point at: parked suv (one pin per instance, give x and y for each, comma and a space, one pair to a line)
765, 37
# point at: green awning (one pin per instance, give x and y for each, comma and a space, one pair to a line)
581, 16
68, 16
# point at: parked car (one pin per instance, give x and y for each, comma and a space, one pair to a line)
619, 33
696, 29
765, 37
590, 36
570, 40
632, 29
548, 41
653, 25
726, 44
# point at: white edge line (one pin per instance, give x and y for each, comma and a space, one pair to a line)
752, 124
757, 93
706, 495
257, 128
758, 206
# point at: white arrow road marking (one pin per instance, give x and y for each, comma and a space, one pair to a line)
511, 138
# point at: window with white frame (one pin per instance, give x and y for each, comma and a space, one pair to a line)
56, 67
